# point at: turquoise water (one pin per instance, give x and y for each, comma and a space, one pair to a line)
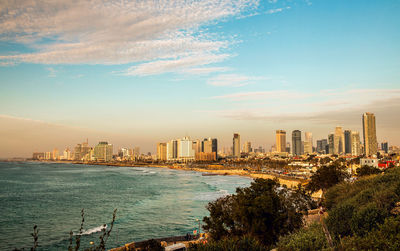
151, 202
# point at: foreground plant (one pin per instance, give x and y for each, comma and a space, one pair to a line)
103, 237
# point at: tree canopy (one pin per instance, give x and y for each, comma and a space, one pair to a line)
326, 177
265, 211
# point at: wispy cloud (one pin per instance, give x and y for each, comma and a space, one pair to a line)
272, 11
295, 105
234, 80
185, 64
162, 34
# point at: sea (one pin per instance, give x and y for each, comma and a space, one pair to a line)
151, 202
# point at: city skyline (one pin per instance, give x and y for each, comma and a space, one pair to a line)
138, 76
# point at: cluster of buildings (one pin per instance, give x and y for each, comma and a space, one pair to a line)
102, 152
339, 142
185, 150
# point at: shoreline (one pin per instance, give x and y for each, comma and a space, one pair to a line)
290, 183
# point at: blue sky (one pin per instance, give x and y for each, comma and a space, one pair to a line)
139, 73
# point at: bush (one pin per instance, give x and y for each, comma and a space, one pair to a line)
265, 210
230, 244
358, 208
308, 238
367, 170
339, 220
366, 219
385, 237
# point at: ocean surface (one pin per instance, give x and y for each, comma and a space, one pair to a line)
151, 202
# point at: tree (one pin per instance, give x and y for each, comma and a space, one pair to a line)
265, 211
367, 170
325, 177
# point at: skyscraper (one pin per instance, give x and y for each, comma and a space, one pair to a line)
308, 143
247, 147
210, 146
355, 144
236, 145
296, 142
172, 150
197, 144
331, 143
385, 146
369, 132
321, 145
280, 141
347, 142
339, 140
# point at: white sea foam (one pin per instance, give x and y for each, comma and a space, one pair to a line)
93, 230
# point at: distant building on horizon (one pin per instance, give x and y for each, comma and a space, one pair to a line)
172, 150
162, 151
81, 150
103, 151
321, 146
339, 140
385, 146
347, 142
236, 145
308, 143
331, 144
280, 141
369, 133
296, 142
185, 149
355, 144
247, 147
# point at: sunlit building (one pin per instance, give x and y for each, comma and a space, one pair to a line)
236, 145
172, 150
162, 151
103, 151
369, 132
185, 149
280, 141
247, 147
355, 143
339, 140
308, 143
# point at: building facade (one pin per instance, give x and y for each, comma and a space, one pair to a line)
369, 132
355, 144
280, 141
347, 142
236, 145
162, 151
103, 151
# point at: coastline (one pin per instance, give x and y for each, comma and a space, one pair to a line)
289, 182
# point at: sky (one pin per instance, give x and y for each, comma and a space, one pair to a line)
135, 73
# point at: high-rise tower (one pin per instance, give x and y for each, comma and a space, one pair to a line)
236, 145
296, 142
369, 131
280, 141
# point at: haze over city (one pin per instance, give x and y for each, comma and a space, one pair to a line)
135, 74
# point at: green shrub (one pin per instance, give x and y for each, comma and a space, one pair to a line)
230, 244
385, 237
339, 220
308, 238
